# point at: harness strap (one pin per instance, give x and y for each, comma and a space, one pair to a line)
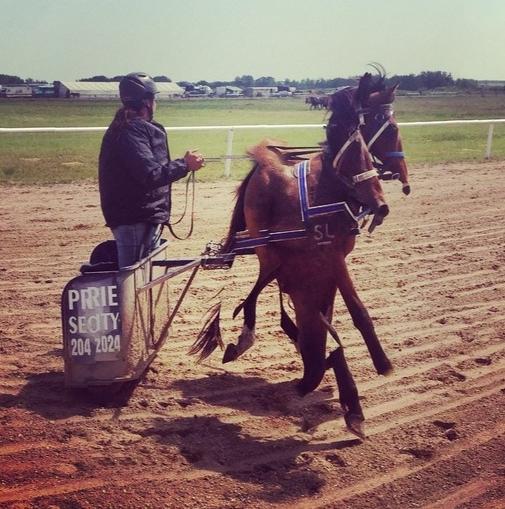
354, 137
397, 154
302, 170
384, 126
244, 243
365, 176
307, 212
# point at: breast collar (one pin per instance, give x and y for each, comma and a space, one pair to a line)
307, 212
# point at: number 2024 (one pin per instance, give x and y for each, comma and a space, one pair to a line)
104, 344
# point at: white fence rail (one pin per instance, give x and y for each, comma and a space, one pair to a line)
231, 129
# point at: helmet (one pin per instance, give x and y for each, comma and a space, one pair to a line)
136, 86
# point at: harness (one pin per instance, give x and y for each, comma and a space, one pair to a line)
244, 244
307, 212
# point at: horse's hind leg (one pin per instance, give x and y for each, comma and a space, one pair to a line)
363, 322
348, 392
311, 341
247, 336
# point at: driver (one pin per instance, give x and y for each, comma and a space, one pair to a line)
135, 171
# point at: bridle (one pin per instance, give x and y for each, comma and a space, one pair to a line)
383, 115
351, 182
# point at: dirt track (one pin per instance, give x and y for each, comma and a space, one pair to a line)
433, 277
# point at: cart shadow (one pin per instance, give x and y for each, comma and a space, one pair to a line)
45, 395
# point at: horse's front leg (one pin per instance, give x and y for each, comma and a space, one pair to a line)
362, 321
347, 389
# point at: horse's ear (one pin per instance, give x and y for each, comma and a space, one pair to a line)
364, 89
392, 90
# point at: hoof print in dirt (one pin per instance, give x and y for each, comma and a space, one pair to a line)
444, 424
421, 453
451, 434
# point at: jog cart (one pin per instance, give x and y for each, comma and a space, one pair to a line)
116, 321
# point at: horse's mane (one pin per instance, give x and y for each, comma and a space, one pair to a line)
265, 156
346, 100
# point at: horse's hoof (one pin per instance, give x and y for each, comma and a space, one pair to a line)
384, 368
406, 189
355, 424
230, 354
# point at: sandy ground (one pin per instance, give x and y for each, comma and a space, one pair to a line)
233, 436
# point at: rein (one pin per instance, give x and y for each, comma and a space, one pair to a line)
191, 178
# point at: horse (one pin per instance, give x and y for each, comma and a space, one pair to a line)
324, 101
311, 269
314, 102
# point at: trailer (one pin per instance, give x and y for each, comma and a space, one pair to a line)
115, 322
17, 91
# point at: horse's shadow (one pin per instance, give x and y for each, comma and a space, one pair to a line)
276, 469
259, 397
283, 467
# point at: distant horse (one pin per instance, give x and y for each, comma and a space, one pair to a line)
316, 102
310, 270
324, 101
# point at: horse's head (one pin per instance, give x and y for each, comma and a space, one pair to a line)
348, 157
379, 127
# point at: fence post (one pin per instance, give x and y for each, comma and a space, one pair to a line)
229, 153
489, 140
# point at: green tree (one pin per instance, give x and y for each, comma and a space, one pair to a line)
162, 79
7, 79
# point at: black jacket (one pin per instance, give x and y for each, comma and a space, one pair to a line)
135, 173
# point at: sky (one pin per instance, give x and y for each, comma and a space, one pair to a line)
220, 39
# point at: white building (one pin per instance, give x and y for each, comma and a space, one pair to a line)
109, 89
228, 91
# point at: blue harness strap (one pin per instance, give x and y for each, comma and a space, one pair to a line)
245, 243
302, 170
399, 155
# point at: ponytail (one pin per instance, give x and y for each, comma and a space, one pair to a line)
123, 116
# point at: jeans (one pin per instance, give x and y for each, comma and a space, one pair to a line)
135, 241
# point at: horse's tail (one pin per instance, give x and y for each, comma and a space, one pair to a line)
237, 222
209, 337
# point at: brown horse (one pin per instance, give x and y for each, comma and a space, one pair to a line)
316, 102
311, 269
